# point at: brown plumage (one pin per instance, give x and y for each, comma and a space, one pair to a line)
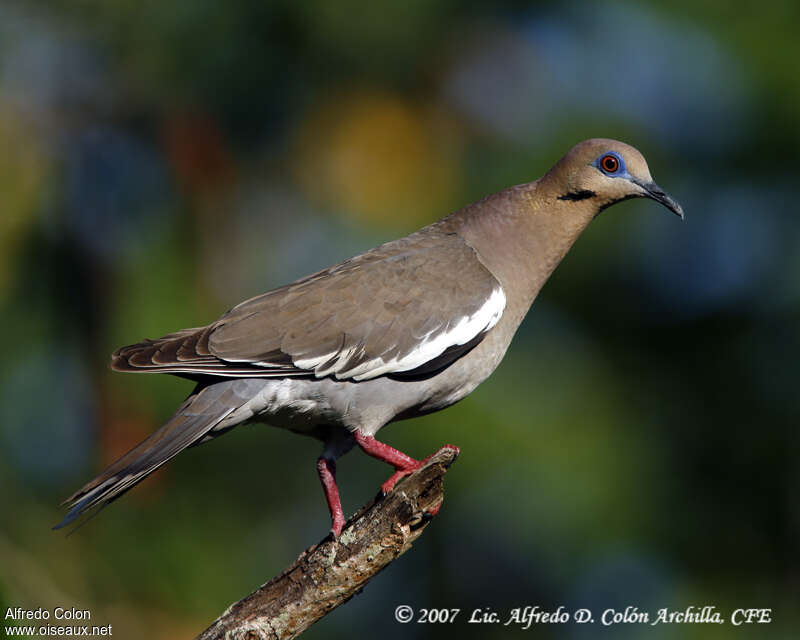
345, 320
407, 328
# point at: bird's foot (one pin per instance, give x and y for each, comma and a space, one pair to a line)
387, 486
434, 510
402, 472
337, 524
450, 447
403, 464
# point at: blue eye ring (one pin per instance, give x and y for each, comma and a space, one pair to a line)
610, 163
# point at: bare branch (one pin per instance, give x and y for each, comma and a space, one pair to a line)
331, 572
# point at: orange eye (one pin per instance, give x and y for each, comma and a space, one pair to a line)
609, 163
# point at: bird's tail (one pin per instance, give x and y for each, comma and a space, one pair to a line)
195, 419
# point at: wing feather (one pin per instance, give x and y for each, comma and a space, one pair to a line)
395, 309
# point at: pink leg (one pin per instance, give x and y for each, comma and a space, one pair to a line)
435, 510
404, 465
327, 476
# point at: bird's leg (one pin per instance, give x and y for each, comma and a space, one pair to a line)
326, 467
404, 465
337, 443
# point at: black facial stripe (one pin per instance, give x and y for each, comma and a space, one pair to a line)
583, 194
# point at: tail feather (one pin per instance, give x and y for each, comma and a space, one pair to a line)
202, 411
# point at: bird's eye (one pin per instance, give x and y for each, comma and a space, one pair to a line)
609, 163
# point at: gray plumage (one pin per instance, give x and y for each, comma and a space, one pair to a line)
407, 328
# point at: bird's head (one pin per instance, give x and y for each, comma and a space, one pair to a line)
607, 171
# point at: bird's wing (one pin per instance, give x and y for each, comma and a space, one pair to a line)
412, 305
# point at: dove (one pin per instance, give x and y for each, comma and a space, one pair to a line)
403, 330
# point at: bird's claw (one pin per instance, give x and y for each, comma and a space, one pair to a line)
402, 472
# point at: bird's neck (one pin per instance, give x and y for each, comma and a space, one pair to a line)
521, 234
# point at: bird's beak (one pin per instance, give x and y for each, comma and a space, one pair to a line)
654, 192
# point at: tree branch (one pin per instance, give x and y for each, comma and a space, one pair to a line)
331, 572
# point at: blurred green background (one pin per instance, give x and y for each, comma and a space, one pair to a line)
161, 161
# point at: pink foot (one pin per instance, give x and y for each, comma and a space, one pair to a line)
327, 476
404, 465
434, 510
398, 475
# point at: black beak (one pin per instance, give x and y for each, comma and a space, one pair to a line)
656, 193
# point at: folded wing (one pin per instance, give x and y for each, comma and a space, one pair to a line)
408, 305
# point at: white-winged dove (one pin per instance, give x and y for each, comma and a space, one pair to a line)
402, 330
